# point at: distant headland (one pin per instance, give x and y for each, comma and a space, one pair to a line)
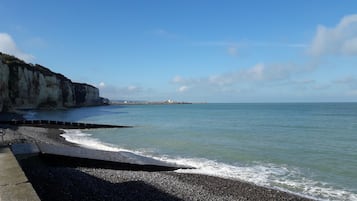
133, 102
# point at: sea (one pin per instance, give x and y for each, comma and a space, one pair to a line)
309, 149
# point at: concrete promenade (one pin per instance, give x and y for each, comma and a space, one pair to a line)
14, 185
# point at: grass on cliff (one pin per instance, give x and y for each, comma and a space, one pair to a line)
7, 59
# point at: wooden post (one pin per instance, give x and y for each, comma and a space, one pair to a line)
2, 133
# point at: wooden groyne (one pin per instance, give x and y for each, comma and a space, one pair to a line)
69, 156
59, 124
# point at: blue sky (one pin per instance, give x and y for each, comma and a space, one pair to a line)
190, 50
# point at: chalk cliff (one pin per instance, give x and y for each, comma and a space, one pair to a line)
24, 86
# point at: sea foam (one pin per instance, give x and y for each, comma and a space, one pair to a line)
85, 140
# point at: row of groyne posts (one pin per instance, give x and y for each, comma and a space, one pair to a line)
58, 124
2, 133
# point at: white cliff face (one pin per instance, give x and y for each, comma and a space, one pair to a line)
68, 94
35, 89
50, 91
31, 88
91, 95
86, 95
26, 86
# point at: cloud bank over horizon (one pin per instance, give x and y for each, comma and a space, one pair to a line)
338, 41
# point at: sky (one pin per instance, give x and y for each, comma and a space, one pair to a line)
192, 50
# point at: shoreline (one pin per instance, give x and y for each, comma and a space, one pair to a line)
63, 183
82, 183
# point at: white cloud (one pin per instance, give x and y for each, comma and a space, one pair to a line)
101, 85
177, 79
252, 74
304, 82
183, 88
235, 48
36, 42
233, 51
249, 44
257, 74
349, 81
133, 88
164, 33
116, 92
352, 93
8, 46
339, 40
215, 43
160, 32
277, 44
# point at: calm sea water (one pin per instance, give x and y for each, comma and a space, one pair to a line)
305, 148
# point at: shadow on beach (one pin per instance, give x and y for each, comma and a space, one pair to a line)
64, 183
